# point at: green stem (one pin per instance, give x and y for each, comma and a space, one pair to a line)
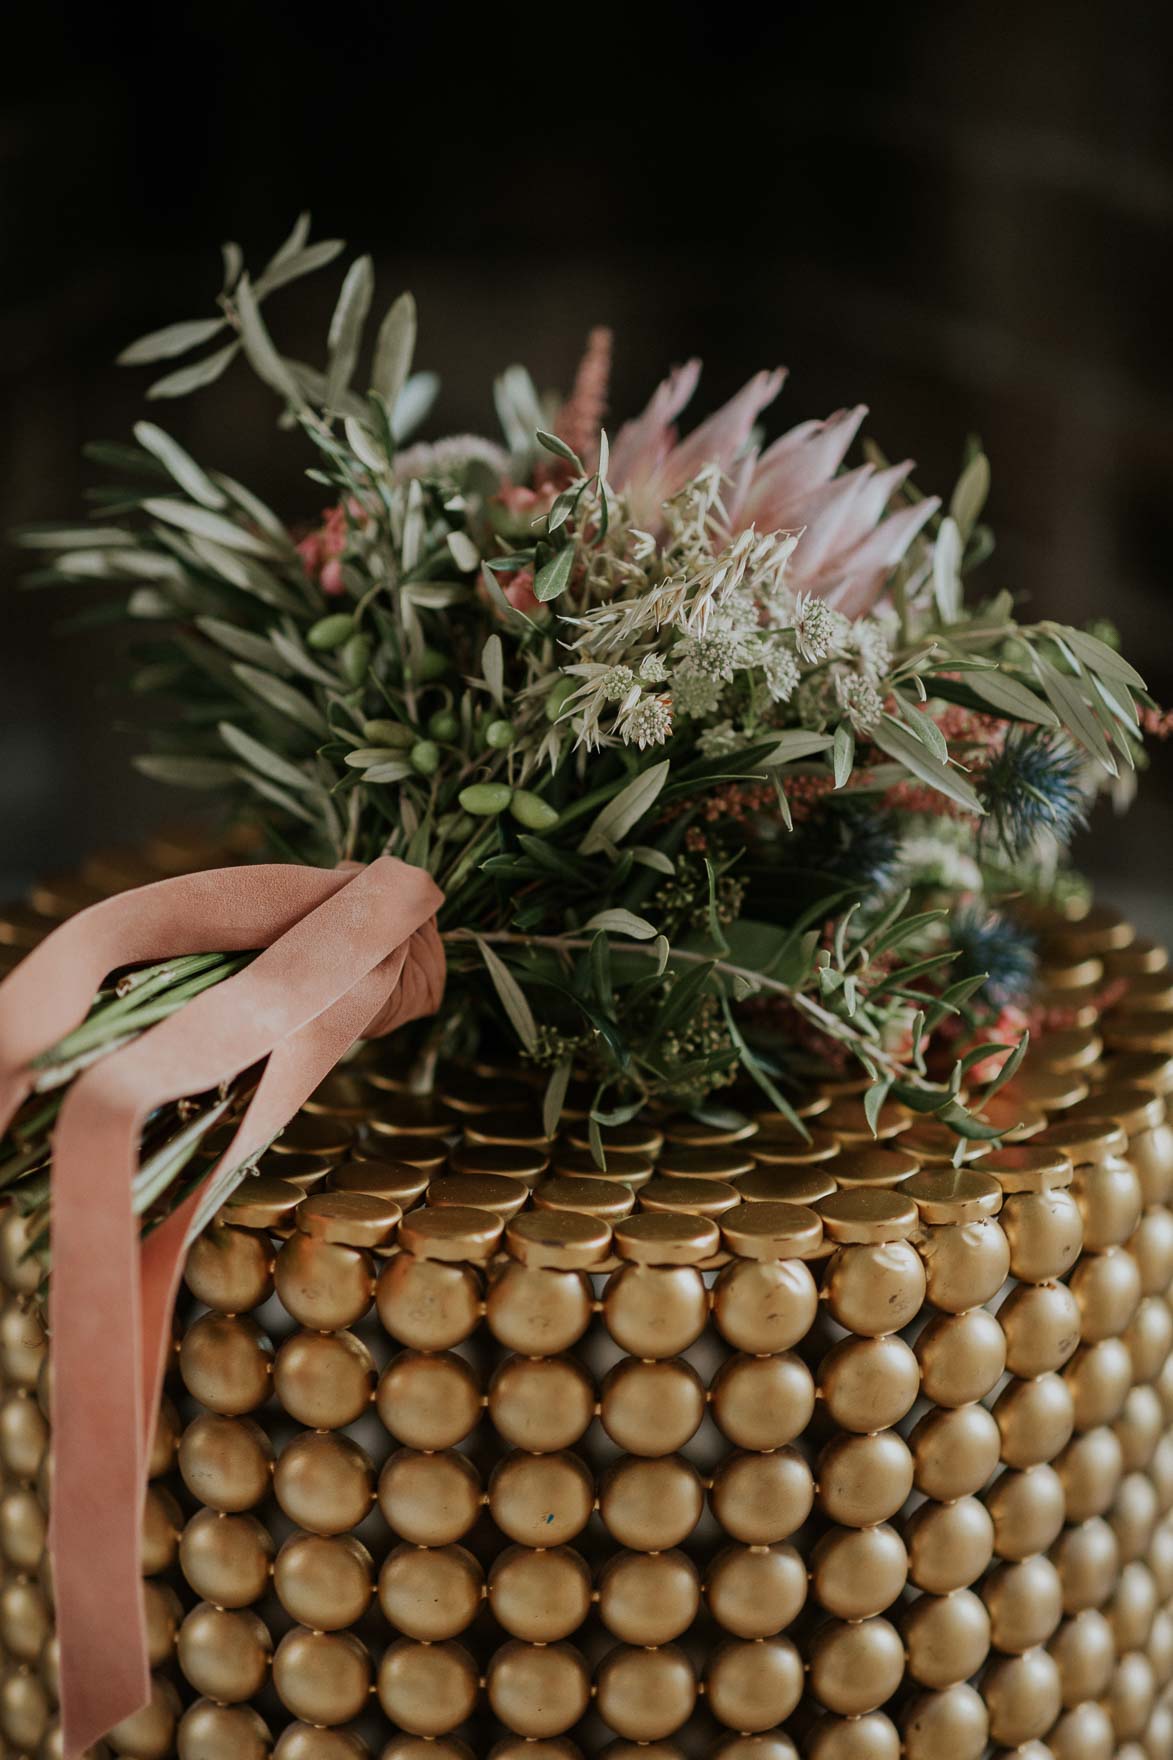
99, 1027
822, 1017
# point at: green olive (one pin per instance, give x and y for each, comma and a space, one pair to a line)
425, 757
499, 735
443, 725
484, 800
432, 665
330, 632
532, 811
388, 733
556, 698
356, 658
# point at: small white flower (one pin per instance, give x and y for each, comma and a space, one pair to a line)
860, 701
449, 457
718, 741
616, 684
870, 642
721, 654
695, 694
928, 858
818, 630
649, 723
653, 669
781, 672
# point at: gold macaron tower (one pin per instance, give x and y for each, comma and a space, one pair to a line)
749, 1446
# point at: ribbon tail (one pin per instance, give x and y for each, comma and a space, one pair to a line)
224, 910
300, 1004
295, 1068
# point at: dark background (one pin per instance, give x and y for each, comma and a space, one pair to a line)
960, 214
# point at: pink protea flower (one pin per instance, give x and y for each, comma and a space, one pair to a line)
847, 550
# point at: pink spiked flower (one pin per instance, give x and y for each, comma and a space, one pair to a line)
847, 549
581, 416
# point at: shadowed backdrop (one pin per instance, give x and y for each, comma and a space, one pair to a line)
960, 215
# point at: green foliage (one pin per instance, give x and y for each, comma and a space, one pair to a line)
599, 739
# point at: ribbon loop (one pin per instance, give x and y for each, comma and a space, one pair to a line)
345, 954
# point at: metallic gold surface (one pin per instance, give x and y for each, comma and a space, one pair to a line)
349, 1219
483, 1191
263, 1201
452, 1233
397, 1181
540, 1595
606, 1199
744, 1446
558, 1240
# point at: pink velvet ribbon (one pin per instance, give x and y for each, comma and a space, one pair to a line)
346, 954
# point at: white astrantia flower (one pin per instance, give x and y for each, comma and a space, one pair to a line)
719, 740
648, 723
616, 683
777, 601
585, 705
859, 699
694, 693
818, 630
781, 672
720, 655
870, 641
653, 669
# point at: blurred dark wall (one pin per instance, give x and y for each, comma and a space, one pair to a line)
961, 214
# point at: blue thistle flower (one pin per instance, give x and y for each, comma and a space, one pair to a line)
1032, 786
994, 944
859, 844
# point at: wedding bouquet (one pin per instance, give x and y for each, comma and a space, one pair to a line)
722, 752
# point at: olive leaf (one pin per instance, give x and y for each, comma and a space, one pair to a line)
258, 345
180, 464
171, 340
285, 698
260, 758
621, 922
625, 811
194, 377
1011, 697
394, 347
511, 995
899, 743
185, 771
206, 524
346, 328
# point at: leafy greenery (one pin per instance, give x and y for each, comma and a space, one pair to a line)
690, 819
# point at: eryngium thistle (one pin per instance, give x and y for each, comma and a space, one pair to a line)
988, 942
1033, 786
857, 843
